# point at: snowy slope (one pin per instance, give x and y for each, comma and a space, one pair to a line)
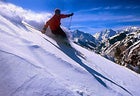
33, 66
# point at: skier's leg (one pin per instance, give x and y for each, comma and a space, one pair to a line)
61, 36
61, 32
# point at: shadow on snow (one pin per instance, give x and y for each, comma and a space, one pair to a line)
73, 54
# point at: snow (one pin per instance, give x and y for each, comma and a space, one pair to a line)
103, 35
33, 66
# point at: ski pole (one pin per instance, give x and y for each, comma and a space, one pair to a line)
70, 23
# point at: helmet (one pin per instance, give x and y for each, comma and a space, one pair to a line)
57, 11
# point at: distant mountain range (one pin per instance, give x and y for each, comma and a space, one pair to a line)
121, 46
103, 35
84, 39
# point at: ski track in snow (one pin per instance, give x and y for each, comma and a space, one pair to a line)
29, 82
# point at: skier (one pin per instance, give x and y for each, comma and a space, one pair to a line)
54, 23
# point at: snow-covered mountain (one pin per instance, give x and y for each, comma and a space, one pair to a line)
84, 39
124, 48
109, 42
131, 29
103, 35
31, 65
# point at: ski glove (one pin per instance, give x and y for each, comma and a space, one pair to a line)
44, 30
71, 14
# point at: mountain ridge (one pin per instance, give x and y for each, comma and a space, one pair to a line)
109, 41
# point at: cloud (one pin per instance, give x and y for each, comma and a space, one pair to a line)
117, 7
120, 7
112, 7
90, 22
105, 17
88, 29
18, 14
91, 9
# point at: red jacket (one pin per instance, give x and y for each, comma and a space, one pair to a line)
54, 22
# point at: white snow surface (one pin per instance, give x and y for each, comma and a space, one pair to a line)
33, 66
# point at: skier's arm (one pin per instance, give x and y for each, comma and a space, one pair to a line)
45, 27
66, 15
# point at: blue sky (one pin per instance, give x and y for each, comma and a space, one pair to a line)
90, 15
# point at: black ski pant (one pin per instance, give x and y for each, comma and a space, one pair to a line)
59, 32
